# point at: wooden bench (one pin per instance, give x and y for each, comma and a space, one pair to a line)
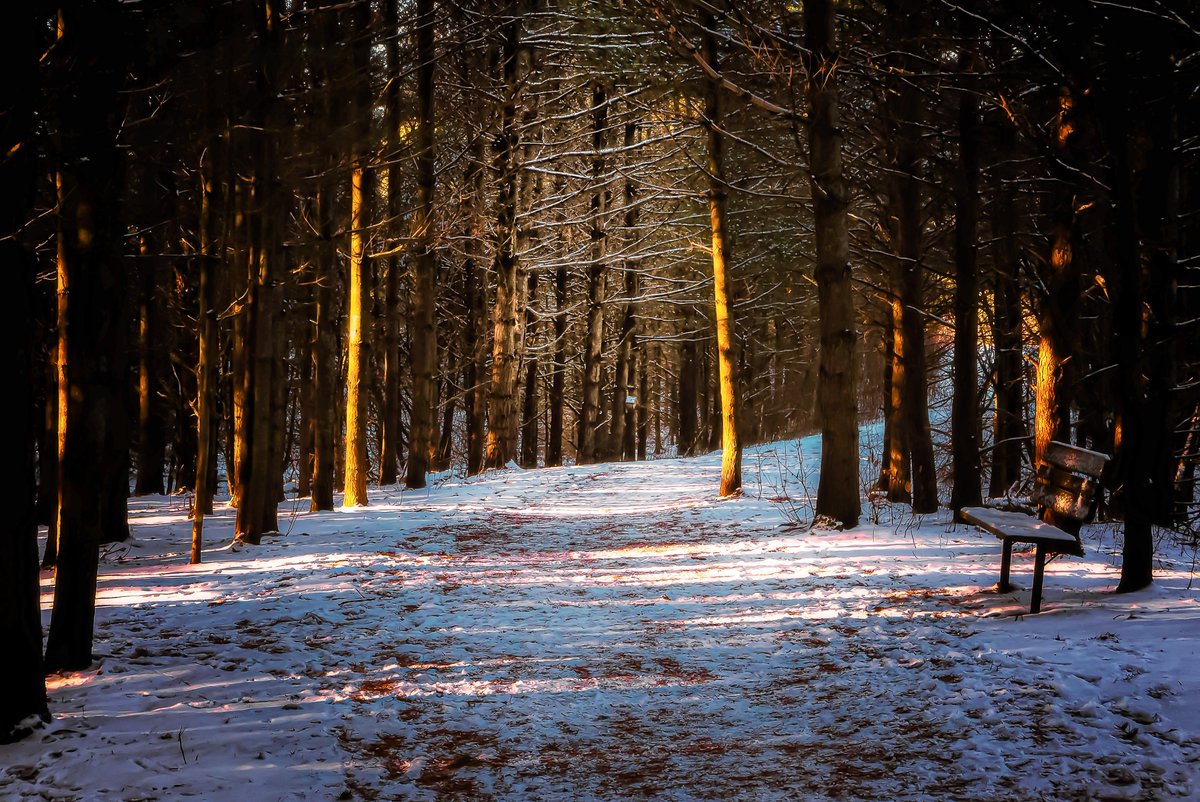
1066, 488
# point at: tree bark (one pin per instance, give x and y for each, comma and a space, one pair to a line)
730, 389
507, 314
357, 468
23, 702
1008, 428
966, 491
838, 490
92, 280
593, 355
422, 326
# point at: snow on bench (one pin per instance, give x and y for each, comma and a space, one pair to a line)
1066, 487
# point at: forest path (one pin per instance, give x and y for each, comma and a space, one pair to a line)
618, 632
611, 632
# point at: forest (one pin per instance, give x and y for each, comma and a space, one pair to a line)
282, 257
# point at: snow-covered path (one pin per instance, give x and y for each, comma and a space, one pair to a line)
616, 632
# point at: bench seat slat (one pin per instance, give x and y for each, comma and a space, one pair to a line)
1018, 526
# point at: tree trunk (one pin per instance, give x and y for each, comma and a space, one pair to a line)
838, 490
965, 412
593, 355
1058, 313
687, 434
423, 302
92, 279
357, 468
558, 378
731, 443
257, 512
507, 314
475, 287
529, 401
24, 698
152, 442
1008, 426
207, 359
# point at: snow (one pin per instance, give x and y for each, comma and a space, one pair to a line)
616, 631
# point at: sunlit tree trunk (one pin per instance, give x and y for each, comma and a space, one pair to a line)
727, 363
358, 284
507, 313
1057, 312
912, 443
837, 392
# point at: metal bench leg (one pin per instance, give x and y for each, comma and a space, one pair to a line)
1005, 565
1039, 568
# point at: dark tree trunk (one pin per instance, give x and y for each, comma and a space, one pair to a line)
966, 491
152, 441
838, 491
1008, 426
529, 401
687, 434
92, 279
558, 378
593, 352
423, 302
23, 702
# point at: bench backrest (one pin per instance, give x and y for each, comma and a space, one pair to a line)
1067, 482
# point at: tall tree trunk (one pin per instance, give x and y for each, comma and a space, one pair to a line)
888, 340
966, 491
207, 358
529, 401
688, 434
593, 355
258, 469
357, 468
475, 287
1058, 313
1008, 428
152, 442
912, 440
325, 372
899, 446
423, 303
558, 377
1145, 181
507, 314
24, 699
92, 279
731, 442
838, 489
390, 419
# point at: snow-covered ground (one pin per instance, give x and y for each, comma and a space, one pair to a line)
616, 631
